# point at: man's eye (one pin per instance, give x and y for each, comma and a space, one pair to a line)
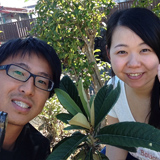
18, 73
42, 82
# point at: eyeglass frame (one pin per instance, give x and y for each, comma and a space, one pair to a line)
6, 67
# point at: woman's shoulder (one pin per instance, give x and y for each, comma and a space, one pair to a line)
114, 81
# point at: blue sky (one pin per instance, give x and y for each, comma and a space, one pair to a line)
16, 3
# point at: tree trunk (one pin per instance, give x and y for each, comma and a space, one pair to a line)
89, 50
96, 75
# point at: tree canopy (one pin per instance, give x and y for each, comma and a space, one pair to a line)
71, 26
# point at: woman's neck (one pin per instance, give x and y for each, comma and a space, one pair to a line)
144, 92
139, 103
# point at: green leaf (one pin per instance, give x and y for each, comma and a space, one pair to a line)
67, 102
84, 154
92, 100
83, 98
89, 155
66, 147
97, 50
80, 120
130, 134
73, 127
130, 149
103, 157
92, 119
80, 156
64, 117
67, 85
104, 101
96, 157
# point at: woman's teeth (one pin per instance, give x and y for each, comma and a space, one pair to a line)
135, 74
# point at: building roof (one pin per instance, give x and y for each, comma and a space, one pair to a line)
12, 10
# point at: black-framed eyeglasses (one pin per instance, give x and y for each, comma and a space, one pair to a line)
23, 75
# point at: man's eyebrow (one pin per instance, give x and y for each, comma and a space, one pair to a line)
44, 75
142, 43
25, 66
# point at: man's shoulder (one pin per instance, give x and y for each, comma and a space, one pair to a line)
30, 145
33, 144
36, 136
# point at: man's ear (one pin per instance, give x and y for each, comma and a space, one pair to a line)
107, 50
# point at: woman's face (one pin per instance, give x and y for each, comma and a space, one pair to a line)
133, 61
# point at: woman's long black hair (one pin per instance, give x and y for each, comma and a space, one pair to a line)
147, 26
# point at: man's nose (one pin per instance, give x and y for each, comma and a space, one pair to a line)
28, 87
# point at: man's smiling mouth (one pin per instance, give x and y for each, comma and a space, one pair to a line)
21, 104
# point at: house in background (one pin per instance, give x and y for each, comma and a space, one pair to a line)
9, 14
15, 22
31, 11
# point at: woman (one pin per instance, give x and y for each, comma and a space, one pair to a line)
133, 45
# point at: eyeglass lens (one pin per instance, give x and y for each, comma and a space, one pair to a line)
21, 74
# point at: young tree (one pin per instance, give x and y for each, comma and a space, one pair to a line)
84, 119
71, 26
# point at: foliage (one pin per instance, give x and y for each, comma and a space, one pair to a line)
142, 3
71, 27
51, 126
87, 116
148, 4
156, 10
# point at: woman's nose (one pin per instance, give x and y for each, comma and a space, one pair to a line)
134, 60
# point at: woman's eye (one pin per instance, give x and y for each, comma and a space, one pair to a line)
145, 50
122, 52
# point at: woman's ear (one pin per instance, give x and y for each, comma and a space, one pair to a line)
107, 50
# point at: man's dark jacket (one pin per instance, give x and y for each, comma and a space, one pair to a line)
30, 145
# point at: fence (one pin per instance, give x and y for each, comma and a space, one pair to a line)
20, 29
128, 4
15, 29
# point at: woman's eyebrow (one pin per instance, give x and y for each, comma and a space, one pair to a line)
124, 45
121, 45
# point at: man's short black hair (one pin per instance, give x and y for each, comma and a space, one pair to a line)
29, 46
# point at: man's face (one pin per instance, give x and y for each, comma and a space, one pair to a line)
23, 100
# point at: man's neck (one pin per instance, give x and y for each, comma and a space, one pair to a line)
11, 135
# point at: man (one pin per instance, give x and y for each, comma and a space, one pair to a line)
29, 71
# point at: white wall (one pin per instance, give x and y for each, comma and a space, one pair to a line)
119, 1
